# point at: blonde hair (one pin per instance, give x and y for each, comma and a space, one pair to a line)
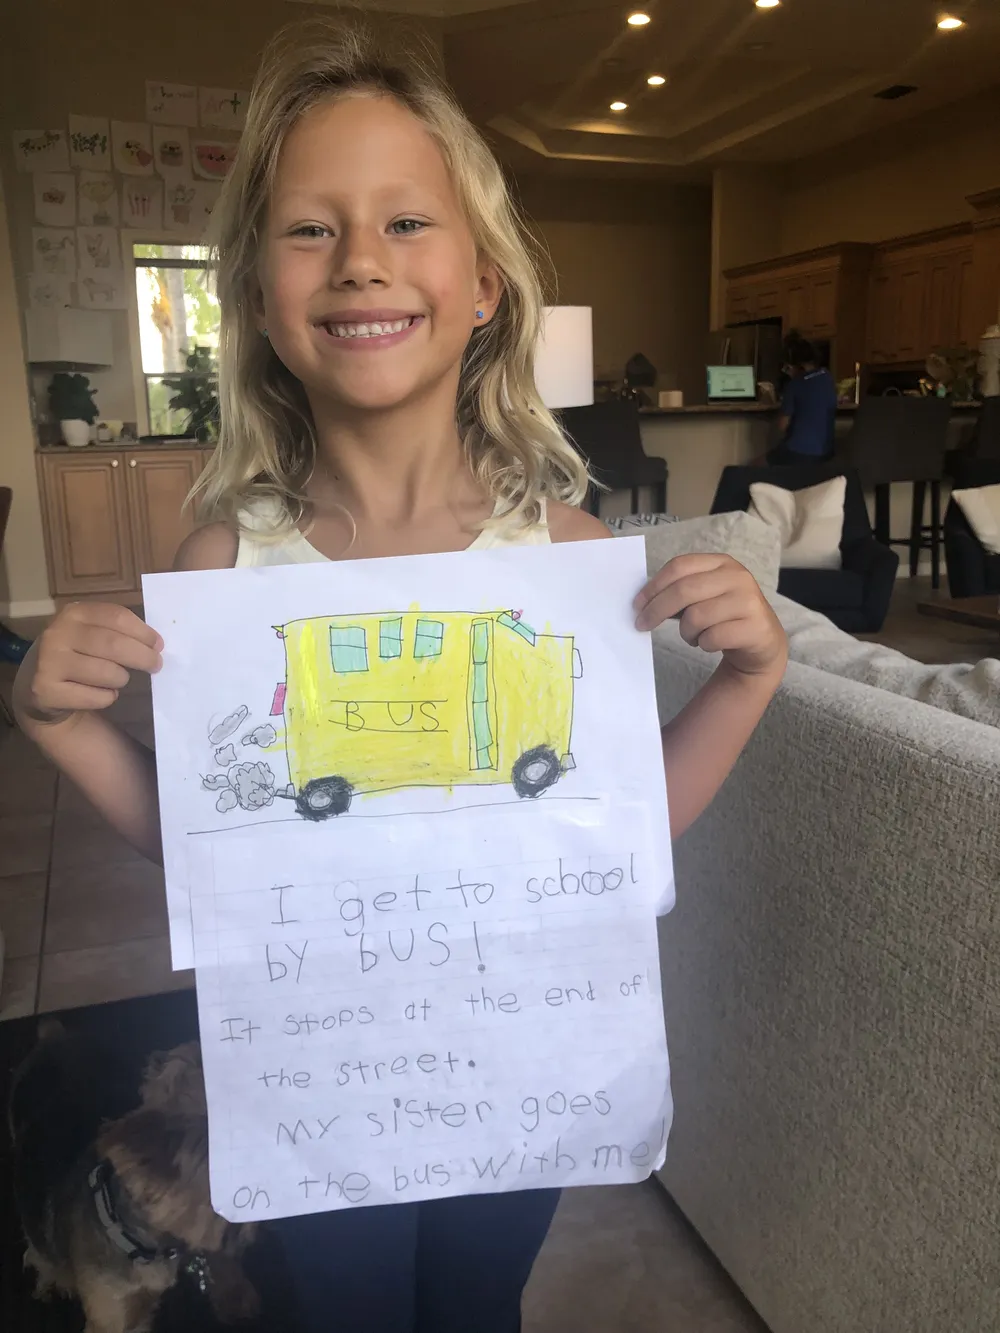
267, 442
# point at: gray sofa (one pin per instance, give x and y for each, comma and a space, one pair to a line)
831, 977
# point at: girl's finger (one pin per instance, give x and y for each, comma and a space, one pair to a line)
711, 614
682, 566
694, 588
118, 619
80, 669
112, 646
72, 698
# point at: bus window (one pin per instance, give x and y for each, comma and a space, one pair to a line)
348, 648
427, 640
390, 638
518, 626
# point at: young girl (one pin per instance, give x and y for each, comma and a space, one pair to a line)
379, 314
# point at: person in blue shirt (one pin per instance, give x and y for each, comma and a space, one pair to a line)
808, 408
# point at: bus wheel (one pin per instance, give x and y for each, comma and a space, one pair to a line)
535, 771
324, 797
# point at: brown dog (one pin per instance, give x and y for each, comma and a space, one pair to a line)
115, 1202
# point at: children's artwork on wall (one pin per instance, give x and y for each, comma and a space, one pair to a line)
142, 204
98, 199
49, 292
55, 198
98, 251
179, 195
53, 251
171, 103
212, 158
206, 197
224, 108
416, 839
90, 142
106, 292
171, 150
41, 150
133, 147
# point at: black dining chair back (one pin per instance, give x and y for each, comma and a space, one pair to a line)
901, 438
608, 436
986, 440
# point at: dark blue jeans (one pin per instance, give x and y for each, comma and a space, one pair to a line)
446, 1266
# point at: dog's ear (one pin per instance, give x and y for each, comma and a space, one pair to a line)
174, 1081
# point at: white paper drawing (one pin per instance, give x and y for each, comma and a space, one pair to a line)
142, 204
55, 198
223, 108
459, 977
98, 199
212, 158
90, 142
133, 147
171, 150
104, 292
41, 150
179, 194
49, 292
171, 103
98, 251
53, 251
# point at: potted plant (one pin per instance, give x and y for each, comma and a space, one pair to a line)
71, 401
196, 392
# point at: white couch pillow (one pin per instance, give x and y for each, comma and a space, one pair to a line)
981, 507
810, 522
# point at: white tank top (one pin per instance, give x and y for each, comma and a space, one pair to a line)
294, 549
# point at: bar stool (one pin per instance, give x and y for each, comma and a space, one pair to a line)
607, 435
904, 439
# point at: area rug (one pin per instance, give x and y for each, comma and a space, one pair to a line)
135, 1028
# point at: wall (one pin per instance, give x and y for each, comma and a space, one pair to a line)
24, 587
912, 180
641, 260
747, 215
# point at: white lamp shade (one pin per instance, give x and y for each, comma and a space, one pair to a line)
564, 357
69, 337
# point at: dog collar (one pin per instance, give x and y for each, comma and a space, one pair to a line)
102, 1189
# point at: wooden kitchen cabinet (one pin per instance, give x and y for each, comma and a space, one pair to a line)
920, 296
158, 485
85, 508
112, 515
820, 294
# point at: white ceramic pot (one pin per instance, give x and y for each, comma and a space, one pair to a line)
75, 433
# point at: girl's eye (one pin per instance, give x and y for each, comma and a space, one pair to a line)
312, 231
407, 226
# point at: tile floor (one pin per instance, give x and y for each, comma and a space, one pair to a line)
85, 921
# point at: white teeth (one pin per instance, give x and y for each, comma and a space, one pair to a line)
368, 330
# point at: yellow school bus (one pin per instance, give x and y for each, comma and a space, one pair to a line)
375, 702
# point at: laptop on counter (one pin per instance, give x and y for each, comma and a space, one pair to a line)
731, 384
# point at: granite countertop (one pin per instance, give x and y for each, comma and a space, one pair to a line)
760, 409
123, 446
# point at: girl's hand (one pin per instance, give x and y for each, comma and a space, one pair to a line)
720, 608
82, 661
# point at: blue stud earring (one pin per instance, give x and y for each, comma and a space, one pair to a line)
263, 333
480, 314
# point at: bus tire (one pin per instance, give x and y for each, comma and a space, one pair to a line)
535, 771
322, 798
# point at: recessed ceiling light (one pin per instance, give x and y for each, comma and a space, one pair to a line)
656, 80
638, 19
948, 23
767, 4
619, 106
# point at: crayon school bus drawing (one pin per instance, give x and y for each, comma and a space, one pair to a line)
376, 702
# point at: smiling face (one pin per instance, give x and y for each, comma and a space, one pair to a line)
368, 271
